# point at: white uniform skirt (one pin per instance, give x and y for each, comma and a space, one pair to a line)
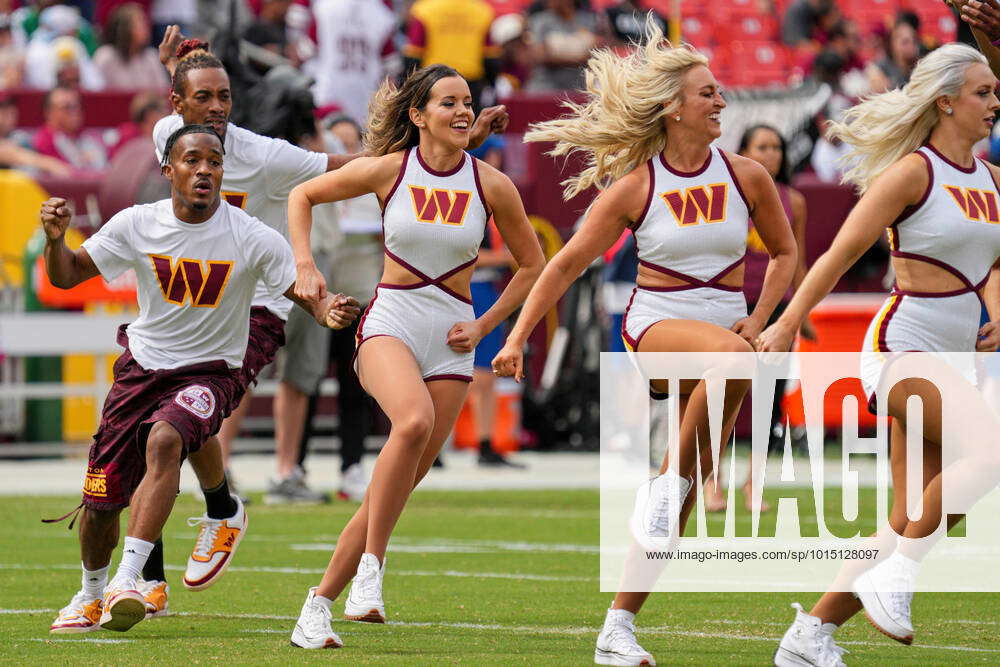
420, 317
707, 304
907, 323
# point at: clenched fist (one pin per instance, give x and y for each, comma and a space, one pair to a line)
56, 216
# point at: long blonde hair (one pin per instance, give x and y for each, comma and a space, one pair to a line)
620, 125
884, 128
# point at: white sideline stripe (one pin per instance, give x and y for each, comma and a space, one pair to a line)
302, 570
527, 629
89, 640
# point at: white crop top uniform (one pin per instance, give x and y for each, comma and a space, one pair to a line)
956, 227
433, 223
694, 228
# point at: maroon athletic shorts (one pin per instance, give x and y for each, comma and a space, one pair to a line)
267, 334
193, 399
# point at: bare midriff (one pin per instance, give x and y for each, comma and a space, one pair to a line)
394, 273
651, 278
914, 275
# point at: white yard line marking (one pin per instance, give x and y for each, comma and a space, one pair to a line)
89, 640
525, 629
302, 570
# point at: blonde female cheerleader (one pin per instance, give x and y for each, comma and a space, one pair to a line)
416, 339
921, 185
647, 129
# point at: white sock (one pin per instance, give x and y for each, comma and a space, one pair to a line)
94, 581
619, 616
326, 602
134, 557
829, 628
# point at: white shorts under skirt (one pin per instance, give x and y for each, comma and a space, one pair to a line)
420, 317
706, 304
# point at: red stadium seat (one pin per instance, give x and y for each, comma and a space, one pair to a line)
697, 31
867, 13
756, 64
936, 21
747, 28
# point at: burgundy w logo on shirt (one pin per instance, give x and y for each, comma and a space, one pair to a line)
188, 277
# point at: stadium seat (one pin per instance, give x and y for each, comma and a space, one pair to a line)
697, 31
868, 13
757, 64
936, 22
746, 28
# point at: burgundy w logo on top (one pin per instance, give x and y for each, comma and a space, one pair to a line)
189, 277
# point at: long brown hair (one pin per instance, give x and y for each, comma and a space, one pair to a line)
389, 125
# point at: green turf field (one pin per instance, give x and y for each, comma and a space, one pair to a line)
484, 578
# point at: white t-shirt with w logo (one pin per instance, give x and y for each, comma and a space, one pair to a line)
195, 281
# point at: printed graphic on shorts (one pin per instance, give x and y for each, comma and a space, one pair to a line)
95, 484
197, 399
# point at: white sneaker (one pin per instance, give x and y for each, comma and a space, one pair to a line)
313, 630
808, 642
124, 605
155, 594
82, 614
353, 484
886, 592
365, 600
214, 549
658, 504
616, 644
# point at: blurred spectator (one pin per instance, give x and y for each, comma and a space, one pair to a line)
844, 40
127, 60
826, 154
455, 33
145, 109
55, 45
105, 8
63, 135
29, 18
11, 56
894, 70
214, 16
356, 51
270, 31
627, 20
508, 32
14, 150
164, 13
564, 34
803, 19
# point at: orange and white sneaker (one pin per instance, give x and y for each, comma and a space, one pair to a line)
124, 605
154, 594
214, 548
82, 614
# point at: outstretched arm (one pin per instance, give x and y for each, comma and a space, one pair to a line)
334, 311
66, 268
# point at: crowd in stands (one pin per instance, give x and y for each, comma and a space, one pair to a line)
347, 47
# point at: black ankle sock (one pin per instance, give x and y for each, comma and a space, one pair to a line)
485, 446
153, 569
219, 502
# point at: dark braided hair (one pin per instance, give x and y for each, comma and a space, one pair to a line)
188, 129
193, 54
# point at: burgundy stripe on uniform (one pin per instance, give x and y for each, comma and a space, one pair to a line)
687, 174
479, 188
649, 196
736, 181
426, 280
450, 172
447, 376
884, 328
913, 208
964, 170
395, 186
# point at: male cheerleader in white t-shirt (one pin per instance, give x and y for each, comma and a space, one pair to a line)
197, 262
260, 173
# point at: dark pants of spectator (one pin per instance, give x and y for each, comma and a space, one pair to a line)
353, 406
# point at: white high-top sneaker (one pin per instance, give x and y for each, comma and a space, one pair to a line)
313, 629
658, 504
886, 591
365, 600
616, 644
808, 642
